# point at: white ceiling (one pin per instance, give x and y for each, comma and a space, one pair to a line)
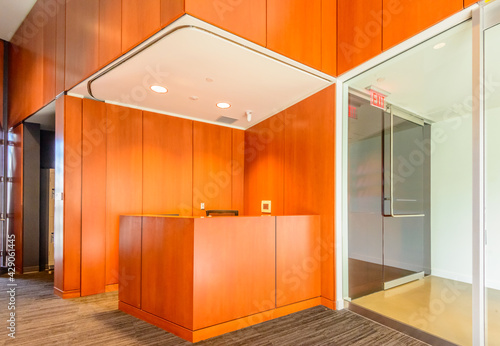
193, 59
12, 15
428, 82
46, 117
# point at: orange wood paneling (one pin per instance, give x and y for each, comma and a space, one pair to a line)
238, 169
72, 192
294, 29
405, 18
468, 3
212, 167
59, 204
129, 289
167, 269
245, 18
16, 136
93, 277
60, 46
49, 50
18, 70
264, 164
298, 259
171, 10
329, 37
110, 30
359, 32
140, 19
82, 40
26, 69
168, 165
244, 322
234, 259
123, 177
308, 175
173, 328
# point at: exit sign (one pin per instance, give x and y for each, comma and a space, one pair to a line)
377, 99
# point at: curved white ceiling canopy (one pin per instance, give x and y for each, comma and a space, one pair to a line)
202, 66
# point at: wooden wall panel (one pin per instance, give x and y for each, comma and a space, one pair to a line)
245, 18
238, 171
49, 50
309, 177
26, 70
264, 164
298, 259
60, 46
294, 30
16, 136
329, 37
359, 32
72, 193
167, 269
170, 10
140, 19
233, 252
82, 40
129, 290
168, 165
468, 3
123, 177
212, 168
110, 31
406, 18
93, 276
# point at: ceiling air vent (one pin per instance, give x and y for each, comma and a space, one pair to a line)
226, 120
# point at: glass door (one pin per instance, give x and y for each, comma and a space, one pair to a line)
491, 88
388, 195
406, 196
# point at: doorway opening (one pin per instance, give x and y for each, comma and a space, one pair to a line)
409, 185
38, 169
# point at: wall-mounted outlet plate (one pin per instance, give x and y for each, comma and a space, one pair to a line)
265, 207
202, 206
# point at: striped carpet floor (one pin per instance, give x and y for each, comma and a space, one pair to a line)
44, 319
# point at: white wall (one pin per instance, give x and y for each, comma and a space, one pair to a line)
451, 199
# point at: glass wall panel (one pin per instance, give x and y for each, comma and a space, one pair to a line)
492, 141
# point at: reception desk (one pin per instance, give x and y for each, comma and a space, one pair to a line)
201, 277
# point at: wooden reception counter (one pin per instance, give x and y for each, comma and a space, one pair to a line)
202, 277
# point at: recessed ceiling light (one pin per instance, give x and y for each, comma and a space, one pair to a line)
193, 98
381, 79
440, 45
209, 80
159, 89
223, 105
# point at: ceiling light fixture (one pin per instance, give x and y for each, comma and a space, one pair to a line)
249, 116
223, 105
159, 89
439, 45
